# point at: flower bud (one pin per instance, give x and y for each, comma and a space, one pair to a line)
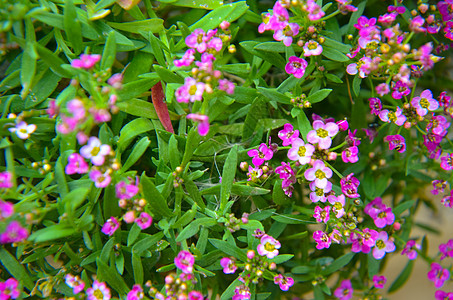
250, 254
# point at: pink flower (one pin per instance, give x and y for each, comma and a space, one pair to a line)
349, 186
438, 186
322, 239
86, 61
438, 125
14, 233
6, 209
441, 295
75, 283
227, 86
23, 130
98, 291
9, 289
254, 173
400, 89
285, 171
125, 190
203, 123
382, 89
396, 142
424, 103
197, 40
446, 249
409, 249
116, 81
363, 67
192, 91
186, 59
300, 151
344, 291
76, 165
319, 194
363, 242
336, 236
195, 295
110, 226
296, 66
375, 105
384, 244
322, 134
438, 275
6, 180
101, 180
432, 143
338, 204
268, 246
288, 134
260, 155
144, 220
184, 261
312, 48
447, 200
241, 292
95, 151
129, 217
379, 281
314, 11
136, 293
287, 33
343, 125
319, 173
350, 154
283, 282
394, 117
322, 215
447, 162
229, 266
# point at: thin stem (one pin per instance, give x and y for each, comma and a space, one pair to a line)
333, 169
329, 16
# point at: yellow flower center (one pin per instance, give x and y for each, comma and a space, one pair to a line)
301, 151
322, 133
269, 247
320, 174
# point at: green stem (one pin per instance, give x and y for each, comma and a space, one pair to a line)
338, 146
333, 169
329, 16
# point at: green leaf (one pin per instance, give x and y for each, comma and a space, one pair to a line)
131, 130
193, 228
137, 268
402, 277
318, 96
229, 249
400, 208
53, 232
137, 152
338, 263
16, 269
229, 292
133, 234
192, 189
109, 53
52, 60
72, 27
304, 125
278, 47
373, 265
333, 78
229, 12
274, 95
279, 259
174, 152
333, 44
237, 189
136, 88
151, 25
258, 111
111, 277
157, 203
106, 250
28, 66
147, 242
356, 85
167, 75
156, 45
138, 108
204, 4
334, 54
74, 199
293, 219
228, 174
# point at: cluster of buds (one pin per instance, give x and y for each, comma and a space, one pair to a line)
233, 224
178, 181
43, 167
301, 102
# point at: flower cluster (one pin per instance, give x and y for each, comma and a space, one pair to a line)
9, 289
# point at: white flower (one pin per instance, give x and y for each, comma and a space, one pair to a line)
23, 130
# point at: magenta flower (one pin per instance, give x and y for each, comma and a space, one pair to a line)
185, 261
438, 275
322, 214
186, 59
400, 89
101, 180
300, 151
86, 61
254, 173
375, 105
6, 209
296, 66
438, 186
338, 204
396, 142
349, 186
9, 289
363, 67
197, 40
98, 291
384, 244
95, 151
319, 194
441, 295
125, 190
438, 125
227, 86
447, 200
268, 246
287, 33
319, 173
344, 291
363, 242
379, 281
312, 48
136, 293
23, 130
395, 117
283, 282
445, 9
229, 266
260, 155
425, 103
203, 123
314, 10
382, 89
447, 162
384, 216
14, 233
241, 292
110, 226
343, 125
191, 91
409, 249
195, 295
288, 134
350, 154
6, 180
446, 249
322, 133
144, 220
76, 164
432, 143
75, 283
322, 239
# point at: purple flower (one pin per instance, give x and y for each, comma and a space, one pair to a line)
288, 134
446, 249
197, 40
192, 91
95, 151
425, 103
254, 173
136, 293
363, 67
322, 239
409, 249
379, 281
447, 200
375, 105
261, 154
438, 186
438, 275
110, 226
384, 244
447, 162
23, 130
125, 190
101, 180
195, 295
319, 173
312, 48
287, 33
344, 291
9, 289
184, 261
438, 125
241, 292
319, 194
322, 215
296, 66
144, 220
350, 154
203, 123
396, 142
314, 10
383, 217
86, 61
229, 266
432, 144
14, 233
446, 10
441, 295
400, 89
6, 209
338, 204
186, 59
283, 282
98, 291
363, 242
395, 117
76, 164
322, 133
300, 151
268, 246
75, 283
349, 186
6, 180
382, 89
227, 86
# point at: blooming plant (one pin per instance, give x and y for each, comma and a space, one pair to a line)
222, 149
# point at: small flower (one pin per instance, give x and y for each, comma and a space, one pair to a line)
75, 283
379, 281
110, 226
441, 295
186, 59
446, 249
23, 130
409, 249
319, 194
125, 190
319, 173
375, 105
9, 289
95, 151
438, 275
384, 244
322, 239
260, 155
447, 162
136, 293
191, 91
349, 186
447, 200
383, 217
288, 134
98, 291
229, 266
438, 186
101, 180
425, 103
184, 261
254, 173
350, 154
227, 86
195, 295
76, 164
6, 180
395, 117
197, 40
300, 151
382, 89
144, 220
338, 204
322, 134
400, 89
241, 292
296, 66
287, 33
86, 61
396, 142
312, 48
203, 123
344, 291
14, 233
268, 246
283, 282
6, 209
322, 214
